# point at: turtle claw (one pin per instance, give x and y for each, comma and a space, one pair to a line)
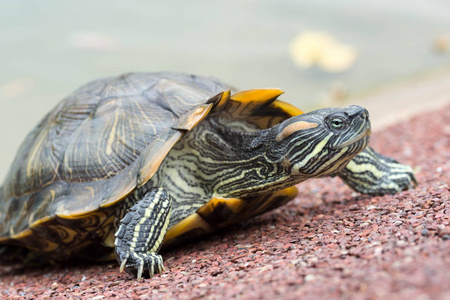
142, 264
122, 264
161, 268
154, 263
140, 271
150, 271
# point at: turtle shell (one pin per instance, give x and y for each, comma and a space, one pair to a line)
108, 138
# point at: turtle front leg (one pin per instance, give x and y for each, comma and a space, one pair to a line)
374, 174
141, 233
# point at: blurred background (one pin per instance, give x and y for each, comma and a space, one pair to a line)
321, 53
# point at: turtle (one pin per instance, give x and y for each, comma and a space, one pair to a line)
125, 165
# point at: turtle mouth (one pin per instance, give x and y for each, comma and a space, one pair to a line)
365, 134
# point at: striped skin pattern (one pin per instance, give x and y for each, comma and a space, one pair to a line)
141, 233
213, 160
375, 174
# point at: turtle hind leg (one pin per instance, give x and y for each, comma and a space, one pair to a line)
374, 174
141, 233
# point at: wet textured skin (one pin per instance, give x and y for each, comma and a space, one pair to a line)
98, 153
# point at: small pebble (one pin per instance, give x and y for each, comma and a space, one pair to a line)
310, 277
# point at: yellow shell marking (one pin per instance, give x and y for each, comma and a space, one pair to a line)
189, 223
234, 204
257, 94
195, 117
288, 108
22, 234
112, 133
223, 100
147, 171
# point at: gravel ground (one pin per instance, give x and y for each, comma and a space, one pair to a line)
328, 243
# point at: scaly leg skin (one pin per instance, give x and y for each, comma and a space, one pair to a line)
141, 233
374, 174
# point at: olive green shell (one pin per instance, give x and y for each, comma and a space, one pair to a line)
96, 146
108, 138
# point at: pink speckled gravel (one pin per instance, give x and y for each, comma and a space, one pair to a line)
327, 243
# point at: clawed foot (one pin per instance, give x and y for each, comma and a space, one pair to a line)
396, 180
141, 264
375, 174
141, 232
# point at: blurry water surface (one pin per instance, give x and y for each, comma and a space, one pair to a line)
50, 47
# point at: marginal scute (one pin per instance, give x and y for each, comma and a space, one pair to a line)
287, 108
41, 221
191, 120
153, 155
22, 234
257, 95
264, 112
190, 227
251, 102
119, 188
225, 97
235, 205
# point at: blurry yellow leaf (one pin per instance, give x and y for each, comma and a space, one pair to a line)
321, 49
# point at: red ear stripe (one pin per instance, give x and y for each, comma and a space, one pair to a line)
294, 127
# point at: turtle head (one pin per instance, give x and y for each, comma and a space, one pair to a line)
322, 142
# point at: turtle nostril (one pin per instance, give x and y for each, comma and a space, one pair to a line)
364, 115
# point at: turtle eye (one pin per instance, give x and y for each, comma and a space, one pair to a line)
337, 123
